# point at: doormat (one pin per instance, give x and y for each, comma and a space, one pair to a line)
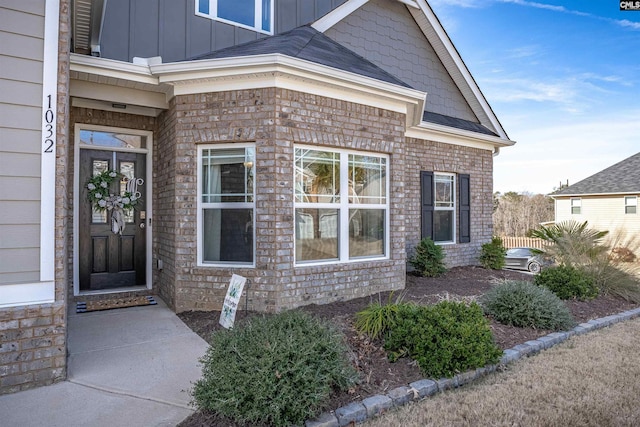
110, 304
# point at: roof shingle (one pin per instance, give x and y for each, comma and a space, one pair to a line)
623, 177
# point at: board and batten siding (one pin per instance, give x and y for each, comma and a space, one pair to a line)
24, 78
602, 213
171, 29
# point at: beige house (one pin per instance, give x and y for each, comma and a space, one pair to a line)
307, 146
607, 200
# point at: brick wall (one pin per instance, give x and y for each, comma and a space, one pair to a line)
275, 120
439, 157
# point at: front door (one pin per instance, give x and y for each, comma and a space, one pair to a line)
112, 241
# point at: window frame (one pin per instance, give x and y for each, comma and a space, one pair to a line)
452, 208
576, 209
213, 7
201, 206
634, 205
343, 205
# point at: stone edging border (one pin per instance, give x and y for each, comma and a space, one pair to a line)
358, 412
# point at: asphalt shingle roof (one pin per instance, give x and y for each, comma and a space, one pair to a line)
623, 177
309, 44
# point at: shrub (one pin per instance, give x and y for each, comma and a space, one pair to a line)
621, 254
444, 339
520, 303
428, 259
378, 318
493, 253
277, 370
567, 282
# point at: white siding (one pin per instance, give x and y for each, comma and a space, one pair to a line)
21, 59
602, 213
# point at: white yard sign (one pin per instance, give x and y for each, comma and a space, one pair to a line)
230, 306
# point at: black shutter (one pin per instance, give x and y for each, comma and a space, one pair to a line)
426, 193
464, 207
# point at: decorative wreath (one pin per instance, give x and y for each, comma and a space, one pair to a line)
102, 199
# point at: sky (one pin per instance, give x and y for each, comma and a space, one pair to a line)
563, 78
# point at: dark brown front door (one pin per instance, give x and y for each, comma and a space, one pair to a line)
108, 260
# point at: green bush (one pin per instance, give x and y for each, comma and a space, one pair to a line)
277, 370
428, 259
567, 282
521, 303
493, 253
444, 339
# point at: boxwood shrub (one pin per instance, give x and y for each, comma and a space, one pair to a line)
521, 303
567, 282
276, 370
444, 339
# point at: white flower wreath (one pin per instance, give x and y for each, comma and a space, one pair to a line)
102, 199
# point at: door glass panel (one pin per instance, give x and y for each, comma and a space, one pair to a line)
99, 217
127, 169
112, 139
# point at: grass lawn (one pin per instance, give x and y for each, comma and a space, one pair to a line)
590, 380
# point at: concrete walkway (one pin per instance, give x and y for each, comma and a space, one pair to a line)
126, 367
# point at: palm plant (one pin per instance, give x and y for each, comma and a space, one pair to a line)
571, 243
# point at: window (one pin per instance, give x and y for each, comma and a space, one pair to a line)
225, 205
253, 14
341, 205
442, 198
630, 204
576, 206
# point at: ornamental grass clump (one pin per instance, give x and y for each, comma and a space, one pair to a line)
523, 304
277, 370
444, 339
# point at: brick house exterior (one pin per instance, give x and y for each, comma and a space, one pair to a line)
310, 83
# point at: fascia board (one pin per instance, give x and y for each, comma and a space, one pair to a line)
449, 135
112, 68
561, 196
279, 71
439, 39
337, 15
117, 94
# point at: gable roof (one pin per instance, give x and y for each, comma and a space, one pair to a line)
621, 178
446, 51
311, 45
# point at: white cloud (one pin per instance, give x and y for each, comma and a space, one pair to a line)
627, 23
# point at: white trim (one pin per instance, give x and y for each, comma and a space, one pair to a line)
118, 94
49, 140
200, 206
112, 68
257, 20
449, 135
578, 205
453, 209
410, 3
448, 54
343, 207
337, 15
108, 106
561, 196
14, 295
76, 202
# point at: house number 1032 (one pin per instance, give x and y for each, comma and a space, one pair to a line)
49, 117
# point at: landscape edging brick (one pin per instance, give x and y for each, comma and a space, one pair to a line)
425, 388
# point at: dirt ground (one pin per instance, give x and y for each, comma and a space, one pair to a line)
378, 375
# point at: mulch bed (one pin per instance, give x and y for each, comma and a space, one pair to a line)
378, 375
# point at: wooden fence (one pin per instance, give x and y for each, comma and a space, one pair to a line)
522, 242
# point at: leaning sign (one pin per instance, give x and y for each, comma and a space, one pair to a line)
230, 306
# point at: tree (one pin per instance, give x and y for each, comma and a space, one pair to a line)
516, 214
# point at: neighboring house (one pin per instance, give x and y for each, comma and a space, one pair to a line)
305, 145
607, 200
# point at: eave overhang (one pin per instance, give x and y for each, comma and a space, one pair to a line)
450, 135
616, 194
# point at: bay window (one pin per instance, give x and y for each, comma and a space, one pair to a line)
341, 205
225, 205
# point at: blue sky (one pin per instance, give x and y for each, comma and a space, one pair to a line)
563, 77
